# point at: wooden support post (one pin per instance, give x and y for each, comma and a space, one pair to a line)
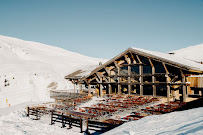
153, 81
100, 85
141, 79
74, 90
89, 89
87, 126
70, 123
51, 117
184, 86
184, 92
153, 78
168, 88
110, 87
168, 81
81, 125
80, 85
28, 111
129, 80
62, 121
36, 111
119, 80
100, 88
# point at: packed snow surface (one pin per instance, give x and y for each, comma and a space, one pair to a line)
176, 123
16, 123
29, 70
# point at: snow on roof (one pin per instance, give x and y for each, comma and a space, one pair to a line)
88, 70
171, 58
193, 53
82, 72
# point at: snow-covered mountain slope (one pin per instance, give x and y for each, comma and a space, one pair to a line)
176, 123
28, 70
193, 53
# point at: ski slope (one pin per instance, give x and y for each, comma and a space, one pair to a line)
29, 70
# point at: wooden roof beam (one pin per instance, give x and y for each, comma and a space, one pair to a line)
107, 70
150, 61
101, 76
138, 59
116, 64
97, 80
174, 79
92, 79
134, 61
127, 59
86, 81
164, 64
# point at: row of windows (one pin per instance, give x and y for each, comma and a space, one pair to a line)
146, 69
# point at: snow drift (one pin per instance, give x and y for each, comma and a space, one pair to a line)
181, 123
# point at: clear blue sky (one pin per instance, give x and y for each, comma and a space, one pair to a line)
104, 28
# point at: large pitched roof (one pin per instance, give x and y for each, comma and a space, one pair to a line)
163, 57
180, 61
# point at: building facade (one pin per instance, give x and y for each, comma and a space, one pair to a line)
143, 72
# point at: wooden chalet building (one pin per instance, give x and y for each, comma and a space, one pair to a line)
142, 72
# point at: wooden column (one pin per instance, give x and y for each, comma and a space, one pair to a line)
153, 81
153, 78
80, 85
168, 81
52, 111
74, 87
184, 88
110, 87
70, 122
119, 80
100, 84
168, 88
89, 88
28, 111
87, 126
100, 88
141, 79
36, 110
129, 80
80, 125
62, 121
